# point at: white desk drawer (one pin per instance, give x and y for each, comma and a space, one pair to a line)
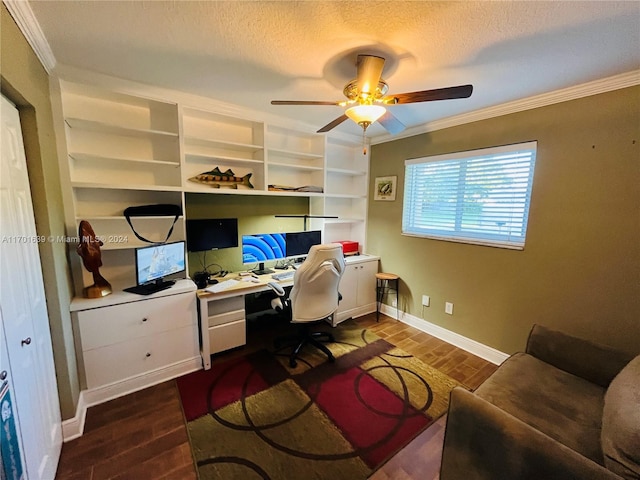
137, 356
223, 305
229, 335
226, 317
120, 323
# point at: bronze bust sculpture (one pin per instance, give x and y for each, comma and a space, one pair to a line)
89, 251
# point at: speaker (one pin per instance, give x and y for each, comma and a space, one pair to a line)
201, 279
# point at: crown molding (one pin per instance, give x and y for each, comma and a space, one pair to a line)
595, 87
21, 12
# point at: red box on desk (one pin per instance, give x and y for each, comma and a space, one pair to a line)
349, 247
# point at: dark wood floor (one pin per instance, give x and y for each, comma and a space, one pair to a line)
143, 435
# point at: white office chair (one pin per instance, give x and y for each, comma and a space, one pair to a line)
314, 297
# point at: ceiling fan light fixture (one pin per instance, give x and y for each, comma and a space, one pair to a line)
365, 114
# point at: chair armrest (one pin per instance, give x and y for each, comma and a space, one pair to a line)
594, 362
483, 442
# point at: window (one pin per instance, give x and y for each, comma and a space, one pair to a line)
479, 196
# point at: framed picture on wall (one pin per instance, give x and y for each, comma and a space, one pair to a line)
385, 188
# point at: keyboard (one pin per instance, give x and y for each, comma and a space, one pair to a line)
149, 288
219, 287
288, 275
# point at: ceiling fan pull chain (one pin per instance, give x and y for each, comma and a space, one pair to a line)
364, 141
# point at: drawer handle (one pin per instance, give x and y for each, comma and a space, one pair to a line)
26, 341
148, 355
144, 319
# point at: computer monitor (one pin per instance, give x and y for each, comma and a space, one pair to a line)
156, 262
263, 247
212, 234
299, 243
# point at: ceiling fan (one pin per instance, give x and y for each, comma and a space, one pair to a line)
367, 97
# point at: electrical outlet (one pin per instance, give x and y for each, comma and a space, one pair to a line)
448, 308
394, 303
425, 300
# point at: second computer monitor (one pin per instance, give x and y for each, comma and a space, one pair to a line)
299, 243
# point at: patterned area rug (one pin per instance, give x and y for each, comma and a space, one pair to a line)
254, 417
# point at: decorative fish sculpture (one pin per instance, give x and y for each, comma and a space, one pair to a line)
218, 179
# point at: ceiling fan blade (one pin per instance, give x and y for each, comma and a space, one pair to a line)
369, 73
461, 91
302, 102
333, 124
391, 123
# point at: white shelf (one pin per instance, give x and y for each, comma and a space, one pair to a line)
90, 157
289, 166
234, 146
202, 158
101, 127
343, 195
295, 154
121, 217
229, 191
344, 220
344, 171
111, 186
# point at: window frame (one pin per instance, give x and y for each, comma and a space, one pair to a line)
470, 234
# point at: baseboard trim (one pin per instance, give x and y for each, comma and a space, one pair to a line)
355, 312
483, 351
74, 427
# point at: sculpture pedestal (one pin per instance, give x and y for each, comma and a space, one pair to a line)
97, 291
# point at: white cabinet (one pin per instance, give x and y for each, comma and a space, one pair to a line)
358, 287
131, 341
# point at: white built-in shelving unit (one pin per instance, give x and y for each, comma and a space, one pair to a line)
345, 195
123, 150
126, 148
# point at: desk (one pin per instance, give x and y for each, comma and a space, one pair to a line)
221, 315
222, 318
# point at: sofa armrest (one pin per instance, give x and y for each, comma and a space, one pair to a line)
483, 442
594, 362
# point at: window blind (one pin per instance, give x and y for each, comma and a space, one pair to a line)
480, 196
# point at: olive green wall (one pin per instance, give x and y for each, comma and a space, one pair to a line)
255, 214
580, 269
26, 83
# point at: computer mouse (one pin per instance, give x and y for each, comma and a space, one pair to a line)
212, 281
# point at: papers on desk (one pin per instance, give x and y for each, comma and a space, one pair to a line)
219, 287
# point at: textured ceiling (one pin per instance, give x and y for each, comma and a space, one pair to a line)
249, 53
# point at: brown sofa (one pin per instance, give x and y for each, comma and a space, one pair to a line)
566, 409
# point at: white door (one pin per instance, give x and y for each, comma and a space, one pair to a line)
24, 311
10, 438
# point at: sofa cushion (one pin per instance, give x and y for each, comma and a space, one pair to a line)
621, 423
563, 406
